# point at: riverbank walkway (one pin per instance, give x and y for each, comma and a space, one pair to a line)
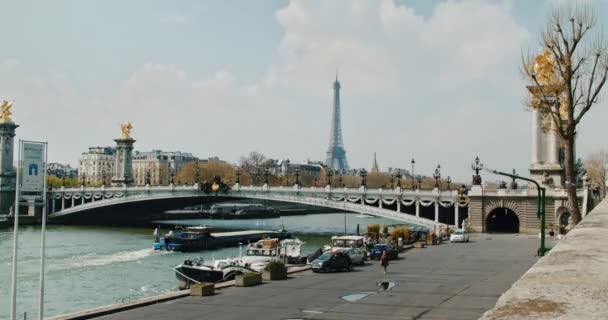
448, 281
571, 282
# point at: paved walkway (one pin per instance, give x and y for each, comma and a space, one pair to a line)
450, 281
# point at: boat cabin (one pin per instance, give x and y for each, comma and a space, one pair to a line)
347, 242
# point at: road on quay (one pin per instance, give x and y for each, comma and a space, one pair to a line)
448, 281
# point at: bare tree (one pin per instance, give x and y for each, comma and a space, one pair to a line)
254, 165
597, 169
567, 79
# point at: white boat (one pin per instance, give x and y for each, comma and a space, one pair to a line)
198, 271
341, 243
291, 249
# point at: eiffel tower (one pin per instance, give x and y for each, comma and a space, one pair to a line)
336, 156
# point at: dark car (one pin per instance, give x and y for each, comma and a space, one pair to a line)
376, 251
332, 262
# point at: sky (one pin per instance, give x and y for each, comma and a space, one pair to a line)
437, 81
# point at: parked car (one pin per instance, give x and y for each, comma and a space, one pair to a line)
459, 236
357, 256
377, 250
332, 262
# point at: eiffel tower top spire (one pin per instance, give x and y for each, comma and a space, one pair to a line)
336, 156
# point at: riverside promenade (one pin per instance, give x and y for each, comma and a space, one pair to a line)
448, 281
571, 282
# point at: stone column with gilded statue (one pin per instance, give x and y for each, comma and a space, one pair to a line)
7, 171
545, 95
123, 167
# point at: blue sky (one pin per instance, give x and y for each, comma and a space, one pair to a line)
434, 80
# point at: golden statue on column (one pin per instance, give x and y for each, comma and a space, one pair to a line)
6, 111
125, 130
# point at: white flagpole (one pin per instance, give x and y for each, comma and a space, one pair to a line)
15, 233
42, 241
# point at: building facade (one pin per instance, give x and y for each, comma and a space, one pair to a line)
61, 170
159, 166
97, 165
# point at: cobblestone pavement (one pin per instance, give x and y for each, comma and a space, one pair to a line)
448, 281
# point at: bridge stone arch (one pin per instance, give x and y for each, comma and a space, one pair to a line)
509, 204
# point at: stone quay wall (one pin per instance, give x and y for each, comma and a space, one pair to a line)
570, 282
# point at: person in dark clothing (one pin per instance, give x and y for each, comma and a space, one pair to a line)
384, 261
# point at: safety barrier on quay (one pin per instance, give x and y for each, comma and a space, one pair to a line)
571, 282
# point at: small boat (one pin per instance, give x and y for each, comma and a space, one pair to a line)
339, 243
198, 271
202, 238
290, 249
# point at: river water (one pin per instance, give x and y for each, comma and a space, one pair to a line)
89, 266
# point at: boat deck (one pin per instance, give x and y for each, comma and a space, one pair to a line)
243, 233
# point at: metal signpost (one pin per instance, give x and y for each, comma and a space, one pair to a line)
30, 184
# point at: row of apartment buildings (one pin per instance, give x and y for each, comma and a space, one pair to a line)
97, 165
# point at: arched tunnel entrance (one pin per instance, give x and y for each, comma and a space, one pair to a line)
502, 220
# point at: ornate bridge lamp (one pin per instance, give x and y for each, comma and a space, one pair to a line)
448, 180
266, 175
197, 173
477, 166
340, 180
513, 182
297, 182
65, 181
398, 175
147, 177
392, 180
238, 175
172, 176
437, 175
329, 174
103, 177
363, 174
413, 163
83, 179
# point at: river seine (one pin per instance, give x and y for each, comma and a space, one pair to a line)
88, 266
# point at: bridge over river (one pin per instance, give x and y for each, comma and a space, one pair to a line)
129, 204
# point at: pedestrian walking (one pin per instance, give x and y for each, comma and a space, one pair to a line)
384, 261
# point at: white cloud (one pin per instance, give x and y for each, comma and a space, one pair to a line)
440, 88
176, 19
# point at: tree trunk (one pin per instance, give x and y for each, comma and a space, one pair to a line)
575, 213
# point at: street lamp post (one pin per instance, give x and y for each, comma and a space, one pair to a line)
238, 175
392, 181
83, 179
437, 175
266, 174
297, 182
363, 174
340, 180
103, 177
477, 166
540, 206
197, 173
413, 163
399, 176
329, 174
172, 176
448, 180
147, 182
